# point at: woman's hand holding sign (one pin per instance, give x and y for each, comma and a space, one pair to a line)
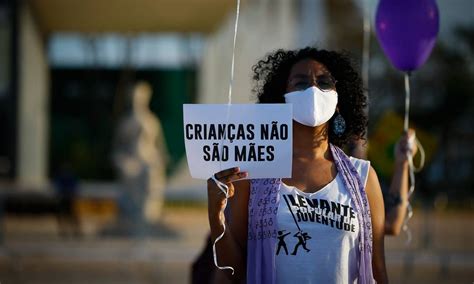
216, 197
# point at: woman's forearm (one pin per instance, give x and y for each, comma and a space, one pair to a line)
228, 250
398, 188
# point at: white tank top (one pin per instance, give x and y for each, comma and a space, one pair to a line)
317, 241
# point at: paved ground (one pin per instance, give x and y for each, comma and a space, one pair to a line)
442, 251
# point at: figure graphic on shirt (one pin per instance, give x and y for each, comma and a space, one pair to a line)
302, 238
281, 242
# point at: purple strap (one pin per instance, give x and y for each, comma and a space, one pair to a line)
353, 183
263, 227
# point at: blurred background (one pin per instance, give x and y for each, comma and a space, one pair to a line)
94, 185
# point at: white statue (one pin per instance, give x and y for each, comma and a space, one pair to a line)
140, 156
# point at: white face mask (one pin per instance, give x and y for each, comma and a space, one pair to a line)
312, 107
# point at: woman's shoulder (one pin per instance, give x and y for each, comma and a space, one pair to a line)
362, 166
357, 162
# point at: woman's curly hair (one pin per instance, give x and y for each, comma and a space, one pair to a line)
271, 77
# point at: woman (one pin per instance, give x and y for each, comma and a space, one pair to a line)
332, 206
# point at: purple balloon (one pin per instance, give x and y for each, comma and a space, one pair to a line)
407, 31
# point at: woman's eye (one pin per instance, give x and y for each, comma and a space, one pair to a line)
301, 85
325, 84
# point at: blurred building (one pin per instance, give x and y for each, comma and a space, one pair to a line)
66, 66
65, 72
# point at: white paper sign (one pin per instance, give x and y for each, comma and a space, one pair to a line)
255, 137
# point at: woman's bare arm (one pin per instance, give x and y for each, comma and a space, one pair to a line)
231, 249
399, 186
374, 195
399, 190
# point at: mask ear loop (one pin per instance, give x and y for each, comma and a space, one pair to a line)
222, 186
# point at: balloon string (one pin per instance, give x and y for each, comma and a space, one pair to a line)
410, 161
411, 167
223, 187
233, 53
407, 101
412, 170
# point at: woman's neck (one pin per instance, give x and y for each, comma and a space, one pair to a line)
310, 143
